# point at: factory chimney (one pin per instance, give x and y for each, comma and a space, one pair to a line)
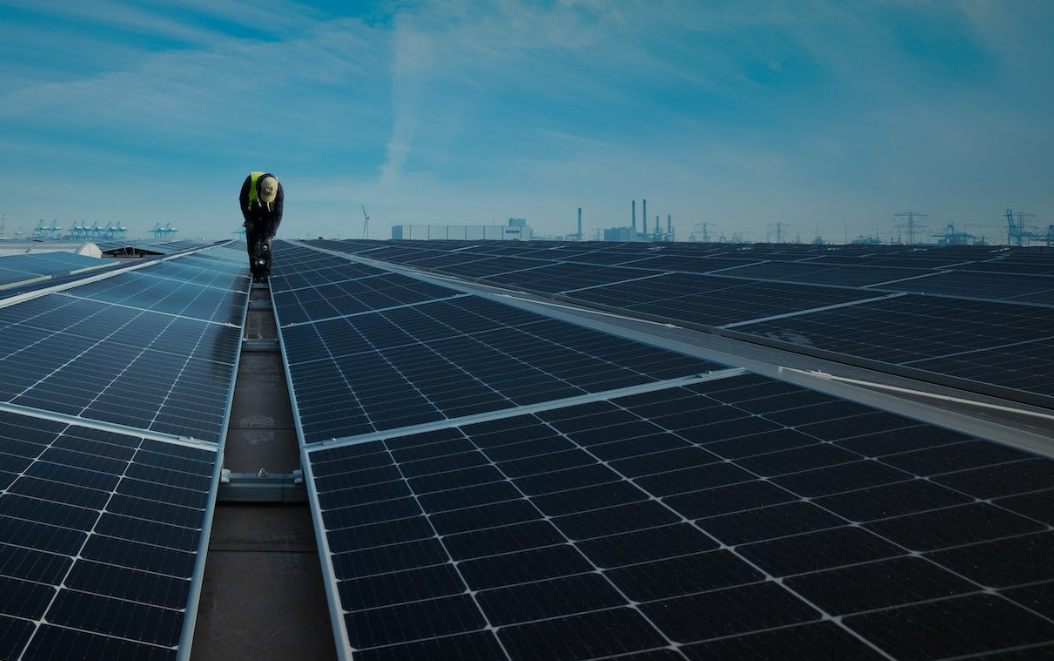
644, 217
669, 227
579, 223
633, 226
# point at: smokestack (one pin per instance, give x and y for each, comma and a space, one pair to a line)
669, 227
644, 216
658, 229
579, 223
633, 227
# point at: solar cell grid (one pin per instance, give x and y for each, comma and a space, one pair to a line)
604, 258
375, 291
1017, 262
450, 359
118, 364
716, 301
687, 263
21, 268
98, 538
214, 273
528, 538
1004, 287
481, 268
208, 303
987, 342
560, 277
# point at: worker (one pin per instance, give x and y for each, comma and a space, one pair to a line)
261, 201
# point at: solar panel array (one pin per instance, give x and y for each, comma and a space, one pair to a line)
18, 270
150, 246
412, 354
731, 516
847, 301
103, 510
730, 519
150, 352
99, 534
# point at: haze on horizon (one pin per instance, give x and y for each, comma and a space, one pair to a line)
825, 116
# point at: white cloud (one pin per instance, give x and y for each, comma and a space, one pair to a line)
735, 113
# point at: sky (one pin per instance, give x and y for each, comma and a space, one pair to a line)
753, 119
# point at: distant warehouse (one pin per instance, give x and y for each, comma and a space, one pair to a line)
515, 230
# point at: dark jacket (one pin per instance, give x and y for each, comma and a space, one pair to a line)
265, 217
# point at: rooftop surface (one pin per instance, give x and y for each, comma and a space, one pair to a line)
532, 451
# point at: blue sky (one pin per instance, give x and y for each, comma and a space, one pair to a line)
827, 116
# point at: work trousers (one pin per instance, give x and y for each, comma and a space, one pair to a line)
255, 240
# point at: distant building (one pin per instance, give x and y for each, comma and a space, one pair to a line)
516, 229
618, 234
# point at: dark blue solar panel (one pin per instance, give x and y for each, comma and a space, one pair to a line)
994, 343
99, 534
354, 295
15, 269
563, 277
716, 301
126, 358
454, 358
296, 267
170, 294
995, 286
711, 519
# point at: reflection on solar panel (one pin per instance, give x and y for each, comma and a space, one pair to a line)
15, 269
174, 294
99, 534
121, 365
735, 518
152, 352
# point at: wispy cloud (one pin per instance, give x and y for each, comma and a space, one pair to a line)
744, 113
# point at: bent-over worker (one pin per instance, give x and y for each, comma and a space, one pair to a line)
261, 201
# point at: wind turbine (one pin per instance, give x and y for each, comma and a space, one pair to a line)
365, 222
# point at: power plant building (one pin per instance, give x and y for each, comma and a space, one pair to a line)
516, 229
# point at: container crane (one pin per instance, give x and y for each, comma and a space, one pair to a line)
1017, 234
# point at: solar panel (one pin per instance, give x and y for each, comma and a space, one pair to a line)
353, 295
690, 264
482, 268
172, 294
99, 541
562, 277
1002, 348
716, 301
727, 519
1004, 287
1018, 261
452, 358
987, 342
19, 269
825, 274
151, 352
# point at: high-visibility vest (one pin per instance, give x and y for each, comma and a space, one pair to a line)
252, 187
